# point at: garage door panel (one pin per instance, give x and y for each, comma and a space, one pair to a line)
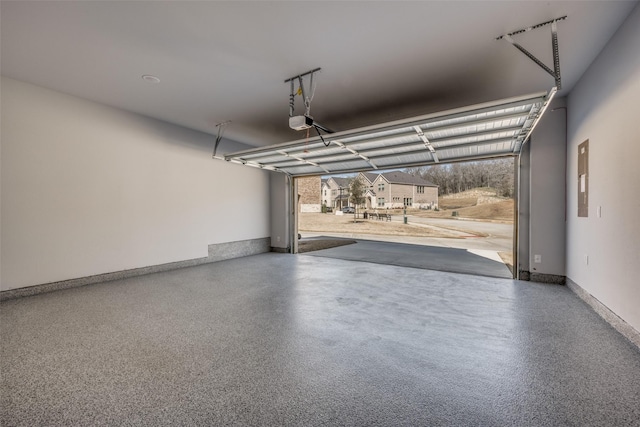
487, 130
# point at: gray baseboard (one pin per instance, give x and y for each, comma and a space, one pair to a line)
217, 252
548, 278
524, 275
609, 316
280, 250
542, 278
230, 250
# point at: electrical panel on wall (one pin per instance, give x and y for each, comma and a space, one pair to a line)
583, 179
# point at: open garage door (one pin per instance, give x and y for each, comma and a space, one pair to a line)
462, 221
481, 131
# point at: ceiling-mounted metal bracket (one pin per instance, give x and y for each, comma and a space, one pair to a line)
220, 127
554, 45
306, 121
302, 75
292, 94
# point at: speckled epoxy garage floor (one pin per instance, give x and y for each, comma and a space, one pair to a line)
280, 339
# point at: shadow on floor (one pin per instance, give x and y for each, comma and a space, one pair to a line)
438, 258
316, 244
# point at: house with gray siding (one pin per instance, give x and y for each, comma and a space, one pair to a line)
337, 192
399, 189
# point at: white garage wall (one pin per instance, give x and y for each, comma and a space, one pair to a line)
547, 225
603, 108
88, 189
281, 212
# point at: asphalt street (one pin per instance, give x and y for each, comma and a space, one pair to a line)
499, 239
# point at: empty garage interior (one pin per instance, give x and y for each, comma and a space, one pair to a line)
146, 266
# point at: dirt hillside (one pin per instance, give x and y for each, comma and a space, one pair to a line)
479, 203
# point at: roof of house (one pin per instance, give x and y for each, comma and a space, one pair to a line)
397, 177
370, 176
342, 182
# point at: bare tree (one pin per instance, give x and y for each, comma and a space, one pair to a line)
357, 191
457, 177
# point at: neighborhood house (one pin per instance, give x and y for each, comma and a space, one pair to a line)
335, 192
383, 191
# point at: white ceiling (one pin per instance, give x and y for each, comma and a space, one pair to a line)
221, 61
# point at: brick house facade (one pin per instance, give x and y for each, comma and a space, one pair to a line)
309, 194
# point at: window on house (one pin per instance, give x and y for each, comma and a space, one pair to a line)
380, 201
408, 201
420, 189
381, 186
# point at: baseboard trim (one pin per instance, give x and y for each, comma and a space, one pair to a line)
216, 252
542, 277
524, 275
603, 311
280, 250
548, 278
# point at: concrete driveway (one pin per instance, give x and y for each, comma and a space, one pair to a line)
468, 261
468, 253
499, 239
